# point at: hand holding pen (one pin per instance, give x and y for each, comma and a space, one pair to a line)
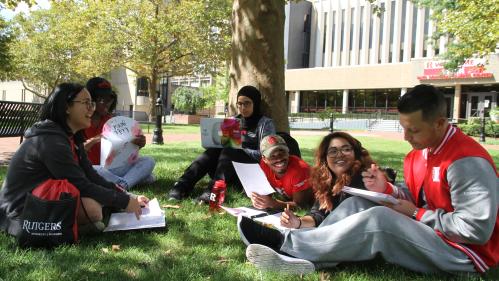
289, 219
374, 179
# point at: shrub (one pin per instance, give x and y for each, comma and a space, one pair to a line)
473, 128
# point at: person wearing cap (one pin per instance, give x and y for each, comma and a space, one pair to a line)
126, 176
217, 162
287, 174
446, 221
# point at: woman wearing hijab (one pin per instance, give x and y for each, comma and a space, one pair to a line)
217, 162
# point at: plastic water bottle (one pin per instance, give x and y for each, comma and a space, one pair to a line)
217, 195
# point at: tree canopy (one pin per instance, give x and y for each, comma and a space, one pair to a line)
74, 40
471, 25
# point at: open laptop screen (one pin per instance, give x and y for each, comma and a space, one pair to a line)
221, 132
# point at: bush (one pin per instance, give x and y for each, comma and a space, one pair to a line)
473, 128
188, 100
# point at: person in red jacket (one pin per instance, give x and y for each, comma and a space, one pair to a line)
447, 220
287, 174
128, 175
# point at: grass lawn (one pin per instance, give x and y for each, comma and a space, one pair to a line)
197, 245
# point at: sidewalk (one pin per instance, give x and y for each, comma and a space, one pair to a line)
9, 145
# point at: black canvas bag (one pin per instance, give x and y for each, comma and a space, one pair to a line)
51, 220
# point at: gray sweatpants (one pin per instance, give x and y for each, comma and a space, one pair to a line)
358, 229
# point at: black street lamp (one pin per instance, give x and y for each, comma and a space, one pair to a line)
482, 126
331, 122
157, 137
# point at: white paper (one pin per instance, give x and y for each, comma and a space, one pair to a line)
117, 149
376, 197
243, 211
272, 221
253, 179
152, 216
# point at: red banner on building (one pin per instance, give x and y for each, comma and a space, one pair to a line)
472, 68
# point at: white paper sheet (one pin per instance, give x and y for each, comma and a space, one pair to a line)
376, 197
243, 211
117, 149
253, 179
272, 221
152, 217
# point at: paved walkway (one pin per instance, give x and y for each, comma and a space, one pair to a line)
9, 145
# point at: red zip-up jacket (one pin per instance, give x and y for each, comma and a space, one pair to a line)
461, 215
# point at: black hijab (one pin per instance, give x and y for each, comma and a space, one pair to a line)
250, 123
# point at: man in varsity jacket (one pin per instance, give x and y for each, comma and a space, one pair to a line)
447, 220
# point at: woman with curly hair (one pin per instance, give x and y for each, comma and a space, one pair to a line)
339, 161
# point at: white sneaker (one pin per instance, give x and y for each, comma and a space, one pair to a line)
266, 259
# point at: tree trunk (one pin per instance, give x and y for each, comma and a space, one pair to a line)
258, 55
153, 80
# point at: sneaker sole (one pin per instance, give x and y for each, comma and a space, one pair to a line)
266, 259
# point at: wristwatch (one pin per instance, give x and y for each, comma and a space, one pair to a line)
415, 213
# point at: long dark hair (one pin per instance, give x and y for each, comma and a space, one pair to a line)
324, 182
56, 104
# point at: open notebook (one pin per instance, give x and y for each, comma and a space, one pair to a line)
152, 217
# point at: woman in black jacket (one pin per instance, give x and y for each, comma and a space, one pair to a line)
217, 162
53, 149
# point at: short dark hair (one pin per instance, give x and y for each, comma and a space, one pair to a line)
100, 87
55, 105
426, 98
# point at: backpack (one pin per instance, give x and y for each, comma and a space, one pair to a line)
294, 148
49, 215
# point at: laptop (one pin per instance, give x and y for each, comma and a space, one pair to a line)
221, 132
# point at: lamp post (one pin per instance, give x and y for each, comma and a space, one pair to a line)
157, 137
482, 125
331, 122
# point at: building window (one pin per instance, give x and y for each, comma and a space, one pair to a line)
142, 87
352, 22
426, 30
342, 40
402, 29
381, 30
306, 41
324, 40
371, 28
361, 30
414, 30
392, 31
333, 30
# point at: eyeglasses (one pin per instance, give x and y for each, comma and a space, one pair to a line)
334, 152
104, 100
244, 104
90, 104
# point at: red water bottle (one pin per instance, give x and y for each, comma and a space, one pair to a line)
217, 195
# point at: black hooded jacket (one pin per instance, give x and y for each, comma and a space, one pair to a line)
46, 154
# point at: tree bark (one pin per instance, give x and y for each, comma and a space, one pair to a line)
258, 55
153, 80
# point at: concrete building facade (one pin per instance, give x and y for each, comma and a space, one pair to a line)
361, 62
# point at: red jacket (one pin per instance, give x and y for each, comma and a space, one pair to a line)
429, 170
92, 131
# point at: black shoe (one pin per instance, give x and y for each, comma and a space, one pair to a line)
204, 198
178, 192
252, 232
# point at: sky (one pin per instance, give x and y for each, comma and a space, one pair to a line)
23, 8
